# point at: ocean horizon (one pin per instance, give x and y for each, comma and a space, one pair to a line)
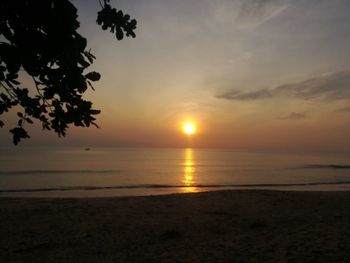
98, 172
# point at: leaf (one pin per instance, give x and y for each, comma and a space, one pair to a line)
3, 97
29, 120
14, 81
119, 34
18, 134
40, 39
8, 83
93, 76
92, 87
95, 112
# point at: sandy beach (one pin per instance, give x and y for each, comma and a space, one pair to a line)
225, 226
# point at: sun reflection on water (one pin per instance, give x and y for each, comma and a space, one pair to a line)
188, 176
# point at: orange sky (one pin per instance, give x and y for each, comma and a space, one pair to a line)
250, 76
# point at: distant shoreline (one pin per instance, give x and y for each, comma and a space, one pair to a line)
152, 189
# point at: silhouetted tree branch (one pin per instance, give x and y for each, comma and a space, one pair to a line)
40, 38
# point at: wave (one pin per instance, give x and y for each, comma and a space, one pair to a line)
58, 172
327, 166
158, 186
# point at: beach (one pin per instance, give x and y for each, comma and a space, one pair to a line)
222, 226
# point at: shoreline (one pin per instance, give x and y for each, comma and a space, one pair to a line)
218, 226
159, 190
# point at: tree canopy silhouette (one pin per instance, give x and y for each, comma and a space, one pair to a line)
39, 39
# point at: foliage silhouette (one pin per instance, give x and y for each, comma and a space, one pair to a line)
39, 39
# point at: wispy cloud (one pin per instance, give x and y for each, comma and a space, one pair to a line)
327, 87
346, 109
248, 13
239, 95
294, 116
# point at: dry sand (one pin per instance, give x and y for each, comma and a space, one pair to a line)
227, 226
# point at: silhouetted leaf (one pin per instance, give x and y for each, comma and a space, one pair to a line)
18, 134
14, 81
93, 76
41, 38
119, 34
116, 21
95, 112
29, 120
4, 97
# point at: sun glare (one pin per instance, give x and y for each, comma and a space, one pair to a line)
189, 128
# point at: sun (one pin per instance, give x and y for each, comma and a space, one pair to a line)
189, 128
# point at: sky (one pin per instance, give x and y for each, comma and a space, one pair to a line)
252, 74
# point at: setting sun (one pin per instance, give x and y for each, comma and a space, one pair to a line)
189, 128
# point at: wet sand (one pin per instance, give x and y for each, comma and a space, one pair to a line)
224, 226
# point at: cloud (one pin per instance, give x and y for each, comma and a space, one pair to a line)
346, 109
294, 116
248, 13
327, 87
237, 95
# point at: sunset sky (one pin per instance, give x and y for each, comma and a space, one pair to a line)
252, 74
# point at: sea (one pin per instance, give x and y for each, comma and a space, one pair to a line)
105, 172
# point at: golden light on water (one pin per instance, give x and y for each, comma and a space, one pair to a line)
188, 176
189, 128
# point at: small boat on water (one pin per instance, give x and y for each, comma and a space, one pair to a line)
87, 149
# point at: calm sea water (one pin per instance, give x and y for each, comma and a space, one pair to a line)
130, 171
